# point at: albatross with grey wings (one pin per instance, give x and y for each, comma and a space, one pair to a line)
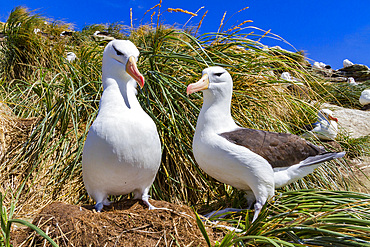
326, 127
122, 151
255, 161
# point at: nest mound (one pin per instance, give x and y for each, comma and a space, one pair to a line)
125, 223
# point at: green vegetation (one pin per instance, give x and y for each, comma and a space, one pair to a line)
61, 98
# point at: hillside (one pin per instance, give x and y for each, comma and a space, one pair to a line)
49, 100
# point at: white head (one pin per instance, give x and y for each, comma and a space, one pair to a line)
326, 115
119, 61
216, 83
217, 87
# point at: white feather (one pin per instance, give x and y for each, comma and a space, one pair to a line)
122, 151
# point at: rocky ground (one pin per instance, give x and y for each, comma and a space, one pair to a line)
357, 124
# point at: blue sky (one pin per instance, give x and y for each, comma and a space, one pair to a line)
328, 31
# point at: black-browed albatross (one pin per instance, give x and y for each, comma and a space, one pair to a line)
326, 127
122, 151
252, 160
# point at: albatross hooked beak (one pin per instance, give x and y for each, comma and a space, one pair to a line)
202, 84
333, 118
132, 70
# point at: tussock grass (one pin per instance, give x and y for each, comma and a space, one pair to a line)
37, 81
305, 218
344, 94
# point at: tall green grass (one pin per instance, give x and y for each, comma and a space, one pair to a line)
64, 97
303, 218
37, 81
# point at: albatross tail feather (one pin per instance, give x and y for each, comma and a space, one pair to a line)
289, 175
321, 158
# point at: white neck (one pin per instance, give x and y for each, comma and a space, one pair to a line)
119, 92
215, 115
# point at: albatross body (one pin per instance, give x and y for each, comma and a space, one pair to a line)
365, 99
122, 151
255, 161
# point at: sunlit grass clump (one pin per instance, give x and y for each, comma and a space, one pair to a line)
61, 98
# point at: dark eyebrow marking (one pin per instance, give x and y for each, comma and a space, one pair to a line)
117, 51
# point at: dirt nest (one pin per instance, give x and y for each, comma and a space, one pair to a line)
126, 223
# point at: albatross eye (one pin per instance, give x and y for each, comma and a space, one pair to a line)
219, 74
117, 51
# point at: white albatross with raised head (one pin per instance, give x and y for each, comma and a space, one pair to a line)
122, 151
252, 160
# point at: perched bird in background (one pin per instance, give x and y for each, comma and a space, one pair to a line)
252, 160
102, 36
352, 81
122, 151
365, 99
286, 76
66, 33
326, 127
347, 63
71, 57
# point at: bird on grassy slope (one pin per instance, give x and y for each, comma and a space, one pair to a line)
365, 99
122, 151
252, 160
326, 127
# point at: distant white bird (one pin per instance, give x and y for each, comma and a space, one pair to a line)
319, 65
326, 127
252, 160
102, 36
352, 81
365, 99
286, 76
66, 33
316, 65
322, 65
122, 151
347, 63
71, 57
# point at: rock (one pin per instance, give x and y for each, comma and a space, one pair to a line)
355, 122
338, 79
355, 67
359, 72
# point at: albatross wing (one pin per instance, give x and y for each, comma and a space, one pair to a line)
279, 149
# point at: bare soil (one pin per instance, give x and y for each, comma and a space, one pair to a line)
125, 223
